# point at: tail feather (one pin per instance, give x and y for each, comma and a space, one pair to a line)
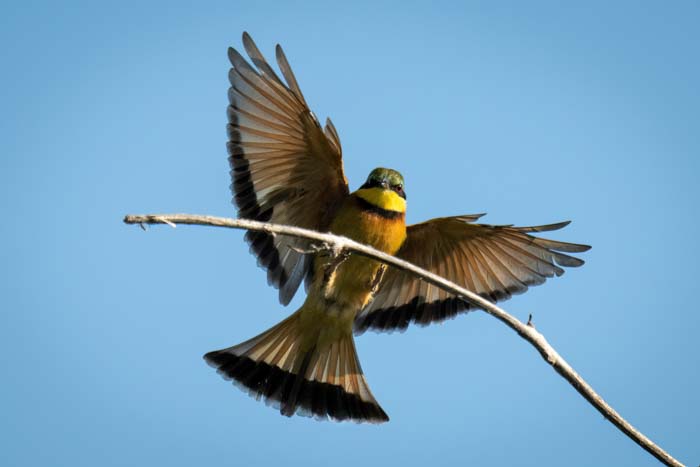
283, 368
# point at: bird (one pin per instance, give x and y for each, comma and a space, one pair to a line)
288, 169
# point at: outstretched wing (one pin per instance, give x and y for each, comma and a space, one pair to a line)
285, 168
492, 261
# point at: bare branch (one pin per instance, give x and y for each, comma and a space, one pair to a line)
526, 330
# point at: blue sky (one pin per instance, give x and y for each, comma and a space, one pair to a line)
533, 113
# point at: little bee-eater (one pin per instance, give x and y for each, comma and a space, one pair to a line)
287, 169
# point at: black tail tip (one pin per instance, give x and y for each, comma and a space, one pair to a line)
214, 358
322, 401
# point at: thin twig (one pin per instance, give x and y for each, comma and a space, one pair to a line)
526, 331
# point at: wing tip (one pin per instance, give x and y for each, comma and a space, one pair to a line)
550, 227
469, 218
568, 261
247, 39
232, 54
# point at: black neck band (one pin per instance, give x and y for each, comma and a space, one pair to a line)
369, 207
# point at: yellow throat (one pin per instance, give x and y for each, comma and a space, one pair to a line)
384, 199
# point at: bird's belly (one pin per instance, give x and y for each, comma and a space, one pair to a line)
346, 284
351, 285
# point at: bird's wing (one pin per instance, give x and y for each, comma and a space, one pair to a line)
285, 168
493, 261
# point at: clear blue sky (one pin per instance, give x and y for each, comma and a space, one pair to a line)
533, 113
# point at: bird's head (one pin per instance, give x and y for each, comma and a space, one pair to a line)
384, 188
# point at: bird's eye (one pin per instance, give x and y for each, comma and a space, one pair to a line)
398, 189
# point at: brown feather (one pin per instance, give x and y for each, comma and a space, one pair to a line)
284, 168
492, 261
290, 369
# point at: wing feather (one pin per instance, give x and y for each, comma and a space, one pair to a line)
332, 135
495, 262
288, 73
284, 167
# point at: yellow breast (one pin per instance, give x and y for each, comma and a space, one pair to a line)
364, 223
348, 289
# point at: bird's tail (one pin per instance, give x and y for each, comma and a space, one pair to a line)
300, 372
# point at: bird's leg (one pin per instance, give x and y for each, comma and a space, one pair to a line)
374, 284
329, 270
377, 279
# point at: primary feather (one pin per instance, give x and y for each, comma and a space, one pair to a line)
284, 168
